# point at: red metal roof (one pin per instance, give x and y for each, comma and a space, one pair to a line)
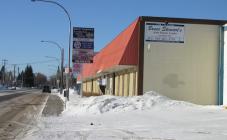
123, 50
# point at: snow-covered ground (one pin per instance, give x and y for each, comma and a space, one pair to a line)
8, 88
147, 117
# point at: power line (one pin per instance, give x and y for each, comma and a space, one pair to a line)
10, 66
35, 62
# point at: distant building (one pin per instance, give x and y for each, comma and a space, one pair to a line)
180, 58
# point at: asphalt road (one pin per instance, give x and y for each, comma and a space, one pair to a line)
19, 111
9, 94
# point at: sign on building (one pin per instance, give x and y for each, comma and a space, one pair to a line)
83, 45
164, 32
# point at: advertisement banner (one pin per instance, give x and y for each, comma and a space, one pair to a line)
77, 68
83, 56
164, 32
83, 45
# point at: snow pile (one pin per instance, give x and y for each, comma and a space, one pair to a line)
148, 117
72, 91
54, 90
107, 103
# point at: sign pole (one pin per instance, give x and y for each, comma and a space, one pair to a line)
83, 49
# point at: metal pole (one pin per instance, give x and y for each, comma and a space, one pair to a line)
17, 75
14, 74
4, 70
22, 84
70, 28
62, 76
81, 86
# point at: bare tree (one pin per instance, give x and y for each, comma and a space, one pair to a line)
40, 79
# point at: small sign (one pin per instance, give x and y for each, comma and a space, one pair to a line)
164, 32
67, 70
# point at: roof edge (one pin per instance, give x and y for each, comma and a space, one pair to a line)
183, 20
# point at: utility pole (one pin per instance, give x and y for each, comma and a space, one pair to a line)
22, 77
62, 75
14, 74
4, 64
18, 70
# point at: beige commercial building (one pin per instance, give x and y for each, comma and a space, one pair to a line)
180, 58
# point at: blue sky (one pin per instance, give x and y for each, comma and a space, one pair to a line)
23, 24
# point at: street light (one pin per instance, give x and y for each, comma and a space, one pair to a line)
62, 60
51, 57
62, 75
53, 42
70, 30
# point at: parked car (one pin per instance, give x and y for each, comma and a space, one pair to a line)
12, 88
46, 89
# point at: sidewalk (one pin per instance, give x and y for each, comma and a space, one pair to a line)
54, 106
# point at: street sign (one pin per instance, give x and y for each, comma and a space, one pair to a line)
83, 45
67, 70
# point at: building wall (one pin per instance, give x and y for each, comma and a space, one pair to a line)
121, 85
109, 86
116, 85
95, 87
132, 83
225, 67
185, 71
84, 89
125, 84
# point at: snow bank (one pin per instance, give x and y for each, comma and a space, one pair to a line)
107, 103
147, 117
72, 92
54, 90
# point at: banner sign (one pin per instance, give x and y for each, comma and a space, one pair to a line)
164, 32
77, 67
83, 56
83, 45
